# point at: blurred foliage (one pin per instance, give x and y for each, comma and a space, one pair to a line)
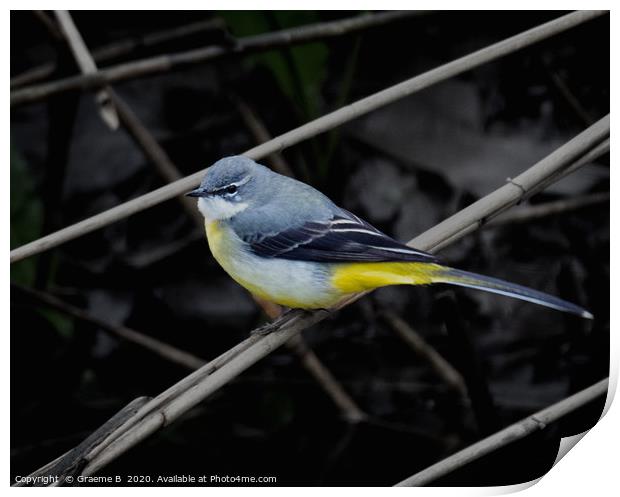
278, 408
301, 70
64, 325
333, 136
26, 222
26, 217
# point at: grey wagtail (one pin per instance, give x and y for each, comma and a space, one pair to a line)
288, 243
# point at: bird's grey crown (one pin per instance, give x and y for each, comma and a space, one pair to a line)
275, 202
230, 170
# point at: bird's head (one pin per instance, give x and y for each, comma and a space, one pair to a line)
230, 186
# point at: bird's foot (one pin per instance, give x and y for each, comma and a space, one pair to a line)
274, 325
284, 318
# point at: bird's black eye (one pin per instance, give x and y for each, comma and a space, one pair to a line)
231, 189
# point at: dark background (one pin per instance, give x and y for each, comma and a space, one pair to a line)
404, 168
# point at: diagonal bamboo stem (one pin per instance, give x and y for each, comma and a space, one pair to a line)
87, 65
320, 125
523, 428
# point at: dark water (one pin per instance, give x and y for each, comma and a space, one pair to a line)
404, 168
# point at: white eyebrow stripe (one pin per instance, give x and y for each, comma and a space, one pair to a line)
242, 181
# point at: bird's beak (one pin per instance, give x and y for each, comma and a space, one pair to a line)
198, 192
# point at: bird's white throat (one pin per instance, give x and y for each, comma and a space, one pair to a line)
217, 208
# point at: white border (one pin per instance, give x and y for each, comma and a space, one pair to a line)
589, 468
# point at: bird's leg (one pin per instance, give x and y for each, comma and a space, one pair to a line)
274, 325
282, 319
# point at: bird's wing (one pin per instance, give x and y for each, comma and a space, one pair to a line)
343, 238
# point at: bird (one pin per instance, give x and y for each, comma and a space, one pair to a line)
288, 243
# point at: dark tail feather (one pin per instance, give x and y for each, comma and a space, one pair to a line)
494, 285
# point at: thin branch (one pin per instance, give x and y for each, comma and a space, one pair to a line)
443, 368
564, 90
570, 98
261, 135
481, 401
184, 395
167, 62
525, 214
351, 411
32, 75
154, 152
125, 47
86, 64
517, 431
158, 347
320, 125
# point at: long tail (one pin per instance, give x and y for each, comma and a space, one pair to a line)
494, 285
358, 277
